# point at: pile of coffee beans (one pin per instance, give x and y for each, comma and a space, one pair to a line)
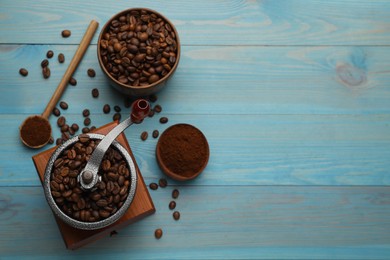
89, 206
139, 48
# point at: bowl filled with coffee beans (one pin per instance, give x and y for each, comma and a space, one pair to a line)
138, 51
105, 202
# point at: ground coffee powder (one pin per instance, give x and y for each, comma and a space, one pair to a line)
35, 131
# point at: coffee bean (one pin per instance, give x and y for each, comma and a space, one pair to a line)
163, 120
163, 183
86, 113
87, 121
172, 205
49, 54
144, 136
83, 138
117, 116
176, 215
64, 128
91, 73
154, 78
23, 72
117, 109
64, 105
106, 109
51, 140
66, 33
158, 233
92, 128
157, 108
85, 130
175, 193
153, 186
95, 93
152, 98
151, 113
61, 121
46, 72
44, 63
59, 141
61, 58
56, 112
75, 127
155, 133
73, 81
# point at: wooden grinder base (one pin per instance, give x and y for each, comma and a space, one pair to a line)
141, 206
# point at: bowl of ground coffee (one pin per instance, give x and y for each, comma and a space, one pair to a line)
138, 51
182, 152
107, 201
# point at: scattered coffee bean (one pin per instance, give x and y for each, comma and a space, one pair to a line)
163, 183
176, 215
87, 121
95, 93
23, 72
85, 130
175, 193
51, 140
66, 33
155, 133
117, 109
91, 73
64, 128
151, 113
117, 116
106, 109
75, 127
157, 108
64, 105
163, 120
46, 72
71, 131
61, 58
44, 63
152, 98
172, 205
144, 135
86, 113
153, 186
50, 54
92, 128
61, 121
59, 141
158, 233
56, 112
73, 81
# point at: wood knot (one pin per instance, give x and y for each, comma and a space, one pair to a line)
350, 75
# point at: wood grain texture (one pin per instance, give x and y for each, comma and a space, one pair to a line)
245, 149
271, 222
238, 22
218, 80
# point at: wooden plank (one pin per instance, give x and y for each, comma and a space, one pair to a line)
287, 22
220, 222
218, 80
245, 149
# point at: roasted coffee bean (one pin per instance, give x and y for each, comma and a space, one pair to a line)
151, 113
66, 33
152, 98
92, 128
153, 186
163, 183
117, 109
163, 120
64, 105
59, 141
176, 215
49, 54
85, 130
67, 193
73, 81
106, 165
64, 128
84, 138
158, 233
44, 63
87, 121
175, 193
157, 108
23, 72
117, 116
51, 140
91, 73
106, 109
172, 205
155, 133
56, 112
86, 113
65, 136
46, 72
61, 58
75, 127
144, 135
61, 121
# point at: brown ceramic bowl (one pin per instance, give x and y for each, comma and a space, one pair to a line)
153, 86
182, 152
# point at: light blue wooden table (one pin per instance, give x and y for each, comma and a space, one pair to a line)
293, 97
